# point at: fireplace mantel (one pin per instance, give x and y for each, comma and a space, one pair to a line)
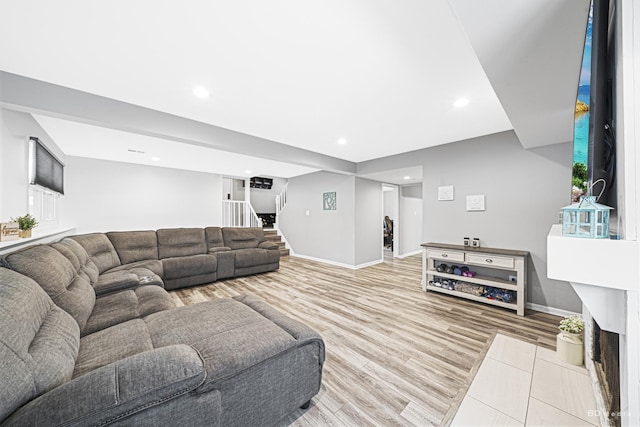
600, 271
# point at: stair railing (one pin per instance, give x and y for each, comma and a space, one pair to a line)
238, 213
281, 202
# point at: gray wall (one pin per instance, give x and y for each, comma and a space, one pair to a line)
104, 195
524, 190
334, 235
15, 130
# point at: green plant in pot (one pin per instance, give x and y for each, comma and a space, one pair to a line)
26, 223
573, 324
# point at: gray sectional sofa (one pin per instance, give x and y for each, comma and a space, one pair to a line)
90, 336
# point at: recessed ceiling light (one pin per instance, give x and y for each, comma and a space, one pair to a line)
248, 172
461, 102
155, 159
406, 177
342, 141
201, 92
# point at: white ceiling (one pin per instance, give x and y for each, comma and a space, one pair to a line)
383, 75
83, 140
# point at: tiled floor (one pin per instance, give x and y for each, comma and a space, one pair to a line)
521, 384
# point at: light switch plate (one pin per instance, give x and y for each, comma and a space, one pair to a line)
475, 202
445, 192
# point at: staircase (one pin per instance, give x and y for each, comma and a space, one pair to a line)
273, 236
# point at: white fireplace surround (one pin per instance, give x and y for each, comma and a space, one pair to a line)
606, 276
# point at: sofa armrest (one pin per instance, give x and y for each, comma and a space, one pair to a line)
119, 390
268, 245
219, 249
114, 281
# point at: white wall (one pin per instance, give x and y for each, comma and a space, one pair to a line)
104, 196
411, 219
263, 200
367, 222
15, 130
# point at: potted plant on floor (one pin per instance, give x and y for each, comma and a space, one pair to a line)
569, 342
26, 224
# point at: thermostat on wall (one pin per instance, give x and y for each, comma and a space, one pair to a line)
475, 202
445, 192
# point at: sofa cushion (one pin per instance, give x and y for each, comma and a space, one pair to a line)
133, 246
57, 276
231, 335
38, 342
242, 238
178, 267
177, 242
112, 344
153, 265
100, 250
127, 305
253, 256
213, 237
72, 249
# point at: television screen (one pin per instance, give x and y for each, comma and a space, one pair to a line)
47, 170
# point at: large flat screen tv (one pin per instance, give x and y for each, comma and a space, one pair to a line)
46, 170
594, 156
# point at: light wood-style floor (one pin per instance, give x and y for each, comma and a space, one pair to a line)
395, 355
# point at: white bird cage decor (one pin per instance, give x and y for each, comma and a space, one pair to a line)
586, 219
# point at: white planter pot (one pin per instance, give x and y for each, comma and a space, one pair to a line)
570, 348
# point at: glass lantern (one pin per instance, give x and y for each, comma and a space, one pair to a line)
586, 219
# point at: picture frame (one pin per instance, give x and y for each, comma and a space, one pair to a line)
329, 201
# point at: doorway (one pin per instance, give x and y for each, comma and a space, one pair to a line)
390, 220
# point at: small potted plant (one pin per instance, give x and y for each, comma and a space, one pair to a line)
573, 325
569, 343
26, 224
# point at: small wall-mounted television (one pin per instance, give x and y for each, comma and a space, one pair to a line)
260, 182
45, 169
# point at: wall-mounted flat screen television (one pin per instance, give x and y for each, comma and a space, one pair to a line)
45, 169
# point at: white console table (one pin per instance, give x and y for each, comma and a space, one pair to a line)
495, 265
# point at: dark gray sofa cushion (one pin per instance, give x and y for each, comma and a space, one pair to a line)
100, 250
153, 265
232, 334
72, 249
254, 257
133, 246
127, 305
112, 344
147, 389
214, 239
179, 242
242, 238
192, 270
38, 342
175, 268
58, 277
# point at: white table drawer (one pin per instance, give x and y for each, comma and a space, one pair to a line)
490, 260
446, 255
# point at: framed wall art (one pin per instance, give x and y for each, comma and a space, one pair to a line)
329, 201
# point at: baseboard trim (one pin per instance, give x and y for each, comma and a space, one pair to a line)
337, 264
416, 252
549, 310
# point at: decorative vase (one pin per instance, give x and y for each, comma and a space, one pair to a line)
25, 233
570, 348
